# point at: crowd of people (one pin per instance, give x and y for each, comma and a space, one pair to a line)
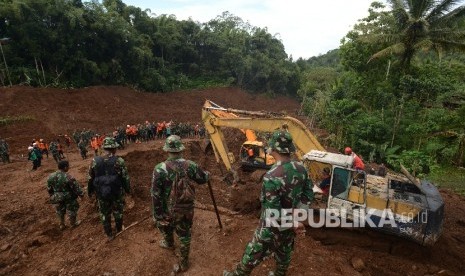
87, 138
143, 132
37, 149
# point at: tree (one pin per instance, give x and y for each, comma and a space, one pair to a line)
422, 25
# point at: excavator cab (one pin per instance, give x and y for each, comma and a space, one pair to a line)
253, 156
393, 203
347, 186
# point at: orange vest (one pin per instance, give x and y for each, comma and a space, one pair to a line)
41, 146
358, 163
94, 143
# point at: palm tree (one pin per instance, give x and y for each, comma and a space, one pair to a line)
423, 25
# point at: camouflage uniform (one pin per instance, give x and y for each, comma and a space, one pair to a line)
82, 145
4, 151
64, 191
54, 150
115, 203
171, 218
76, 136
286, 185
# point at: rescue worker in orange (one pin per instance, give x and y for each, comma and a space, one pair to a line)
43, 147
160, 128
358, 162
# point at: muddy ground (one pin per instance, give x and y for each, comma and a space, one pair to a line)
32, 244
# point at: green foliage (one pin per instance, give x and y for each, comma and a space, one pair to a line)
69, 43
398, 111
416, 162
449, 177
8, 120
418, 26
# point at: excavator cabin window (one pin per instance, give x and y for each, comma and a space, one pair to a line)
340, 187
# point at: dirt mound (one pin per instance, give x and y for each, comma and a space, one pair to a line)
56, 111
32, 244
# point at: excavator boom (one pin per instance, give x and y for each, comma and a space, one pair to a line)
215, 118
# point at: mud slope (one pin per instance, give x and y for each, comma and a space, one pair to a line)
55, 111
32, 244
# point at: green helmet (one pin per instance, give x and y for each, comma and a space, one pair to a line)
173, 144
110, 143
281, 141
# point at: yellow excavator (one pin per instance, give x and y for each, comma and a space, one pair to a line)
252, 154
215, 118
397, 204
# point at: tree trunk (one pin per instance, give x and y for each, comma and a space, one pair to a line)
397, 120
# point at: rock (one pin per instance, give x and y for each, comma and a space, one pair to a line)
444, 272
414, 267
39, 241
357, 264
5, 247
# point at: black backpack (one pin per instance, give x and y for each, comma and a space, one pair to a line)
182, 194
107, 182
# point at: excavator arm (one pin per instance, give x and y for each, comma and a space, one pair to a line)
215, 118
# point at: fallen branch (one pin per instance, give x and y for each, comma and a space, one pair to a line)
209, 207
7, 229
132, 225
410, 177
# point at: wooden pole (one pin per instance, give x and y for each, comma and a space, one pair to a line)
214, 204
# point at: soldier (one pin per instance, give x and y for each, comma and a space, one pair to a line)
76, 136
82, 148
173, 195
108, 178
64, 191
54, 150
285, 186
4, 151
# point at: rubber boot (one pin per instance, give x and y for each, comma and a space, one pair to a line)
108, 232
180, 267
240, 271
280, 271
183, 264
62, 222
119, 225
74, 222
165, 244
